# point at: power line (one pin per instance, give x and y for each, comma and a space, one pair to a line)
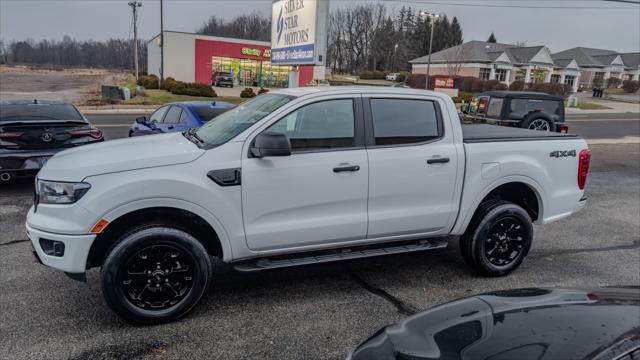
428, 2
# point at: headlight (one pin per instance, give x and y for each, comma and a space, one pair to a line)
52, 192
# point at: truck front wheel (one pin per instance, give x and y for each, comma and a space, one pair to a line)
155, 274
497, 239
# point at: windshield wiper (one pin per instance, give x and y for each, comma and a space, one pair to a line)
191, 135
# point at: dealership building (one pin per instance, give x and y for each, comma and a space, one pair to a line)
194, 58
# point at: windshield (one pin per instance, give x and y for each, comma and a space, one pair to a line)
206, 113
39, 112
235, 121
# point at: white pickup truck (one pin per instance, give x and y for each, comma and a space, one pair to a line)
295, 177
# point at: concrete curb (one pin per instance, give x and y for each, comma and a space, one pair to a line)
623, 140
116, 111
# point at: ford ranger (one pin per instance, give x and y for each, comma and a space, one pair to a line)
296, 177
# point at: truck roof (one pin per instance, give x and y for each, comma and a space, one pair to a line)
310, 90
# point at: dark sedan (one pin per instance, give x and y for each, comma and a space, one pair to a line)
542, 324
33, 131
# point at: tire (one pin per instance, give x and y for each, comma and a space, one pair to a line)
490, 241
140, 292
539, 123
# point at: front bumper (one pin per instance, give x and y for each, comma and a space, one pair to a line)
76, 250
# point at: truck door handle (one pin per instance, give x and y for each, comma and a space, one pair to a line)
351, 168
438, 161
170, 127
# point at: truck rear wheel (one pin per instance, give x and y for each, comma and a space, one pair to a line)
497, 239
155, 274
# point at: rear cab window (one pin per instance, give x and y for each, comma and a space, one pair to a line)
399, 121
208, 112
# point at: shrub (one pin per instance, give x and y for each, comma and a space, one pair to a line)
551, 88
470, 84
366, 75
247, 93
402, 76
169, 83
380, 75
262, 91
142, 73
463, 96
490, 85
517, 85
631, 86
193, 89
613, 82
148, 81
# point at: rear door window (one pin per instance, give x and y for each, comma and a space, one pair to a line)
404, 121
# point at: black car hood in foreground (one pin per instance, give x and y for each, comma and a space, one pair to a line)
543, 324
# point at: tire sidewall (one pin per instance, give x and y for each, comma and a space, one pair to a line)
133, 242
486, 224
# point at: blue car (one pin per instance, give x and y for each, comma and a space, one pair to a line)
178, 117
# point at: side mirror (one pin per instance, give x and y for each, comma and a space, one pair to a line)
141, 120
270, 144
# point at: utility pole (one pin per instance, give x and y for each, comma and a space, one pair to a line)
431, 18
134, 6
161, 45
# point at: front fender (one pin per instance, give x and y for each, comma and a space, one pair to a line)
166, 202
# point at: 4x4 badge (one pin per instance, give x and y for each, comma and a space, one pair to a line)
562, 153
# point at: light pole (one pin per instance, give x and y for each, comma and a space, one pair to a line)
161, 45
395, 49
431, 17
134, 6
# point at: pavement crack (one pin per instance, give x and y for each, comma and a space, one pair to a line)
402, 307
12, 242
634, 245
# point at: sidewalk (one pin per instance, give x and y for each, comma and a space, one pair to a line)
615, 106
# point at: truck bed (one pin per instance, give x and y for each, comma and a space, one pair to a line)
477, 133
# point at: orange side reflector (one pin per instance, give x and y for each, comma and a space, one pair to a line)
99, 226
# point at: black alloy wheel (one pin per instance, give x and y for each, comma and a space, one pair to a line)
157, 277
155, 274
505, 241
497, 239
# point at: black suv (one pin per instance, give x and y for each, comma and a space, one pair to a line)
529, 110
33, 131
222, 79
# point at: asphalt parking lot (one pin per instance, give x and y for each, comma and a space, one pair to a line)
317, 312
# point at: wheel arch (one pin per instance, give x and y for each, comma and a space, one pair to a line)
510, 189
188, 217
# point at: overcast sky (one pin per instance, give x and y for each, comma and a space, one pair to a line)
614, 26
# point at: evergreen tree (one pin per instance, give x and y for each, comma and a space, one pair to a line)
492, 38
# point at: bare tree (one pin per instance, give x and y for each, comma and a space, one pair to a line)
455, 57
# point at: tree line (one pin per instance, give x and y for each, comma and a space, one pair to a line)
360, 37
111, 54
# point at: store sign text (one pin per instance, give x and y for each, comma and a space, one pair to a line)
256, 52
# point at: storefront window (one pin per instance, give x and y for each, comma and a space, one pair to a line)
484, 74
249, 72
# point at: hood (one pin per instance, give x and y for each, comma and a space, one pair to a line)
120, 155
544, 324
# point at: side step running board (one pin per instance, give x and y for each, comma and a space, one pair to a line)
340, 254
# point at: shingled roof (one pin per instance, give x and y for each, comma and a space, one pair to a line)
589, 57
481, 51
